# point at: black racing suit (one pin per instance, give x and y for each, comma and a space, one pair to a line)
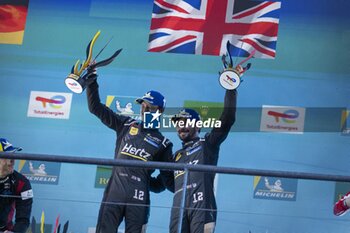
200, 213
16, 197
127, 192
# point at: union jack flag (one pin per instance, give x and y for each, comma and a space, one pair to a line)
205, 26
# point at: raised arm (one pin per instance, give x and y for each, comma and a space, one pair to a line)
227, 118
104, 113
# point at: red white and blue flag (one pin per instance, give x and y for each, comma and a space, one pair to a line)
205, 26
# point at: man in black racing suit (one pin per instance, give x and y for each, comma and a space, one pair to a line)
127, 192
199, 215
16, 195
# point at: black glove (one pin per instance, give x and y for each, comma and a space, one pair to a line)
156, 184
90, 76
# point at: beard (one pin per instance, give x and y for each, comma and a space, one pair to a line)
10, 168
7, 169
186, 134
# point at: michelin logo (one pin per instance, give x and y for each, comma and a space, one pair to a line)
132, 151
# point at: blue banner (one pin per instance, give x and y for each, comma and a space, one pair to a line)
275, 188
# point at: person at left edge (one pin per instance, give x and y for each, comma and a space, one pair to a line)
16, 195
126, 196
342, 206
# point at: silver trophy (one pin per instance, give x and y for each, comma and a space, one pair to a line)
230, 78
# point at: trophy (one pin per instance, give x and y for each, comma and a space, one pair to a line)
230, 78
82, 74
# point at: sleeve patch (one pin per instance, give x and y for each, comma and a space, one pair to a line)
27, 194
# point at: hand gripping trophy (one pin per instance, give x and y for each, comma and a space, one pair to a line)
230, 78
83, 74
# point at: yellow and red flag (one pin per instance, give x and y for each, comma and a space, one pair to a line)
13, 15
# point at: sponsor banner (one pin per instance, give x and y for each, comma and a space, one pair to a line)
49, 105
275, 188
40, 172
103, 173
13, 16
156, 120
345, 122
206, 110
282, 119
322, 119
124, 105
341, 188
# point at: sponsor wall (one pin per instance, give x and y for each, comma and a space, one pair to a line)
49, 105
293, 112
40, 172
275, 188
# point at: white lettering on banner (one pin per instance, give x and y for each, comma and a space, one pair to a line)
45, 104
283, 119
48, 113
42, 178
275, 194
282, 127
191, 123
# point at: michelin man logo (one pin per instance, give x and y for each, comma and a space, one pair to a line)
127, 110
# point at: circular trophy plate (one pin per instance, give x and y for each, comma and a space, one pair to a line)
229, 80
72, 83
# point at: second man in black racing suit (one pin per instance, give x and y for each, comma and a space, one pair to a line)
200, 211
199, 215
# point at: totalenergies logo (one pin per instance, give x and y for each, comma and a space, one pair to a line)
54, 102
73, 84
287, 116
